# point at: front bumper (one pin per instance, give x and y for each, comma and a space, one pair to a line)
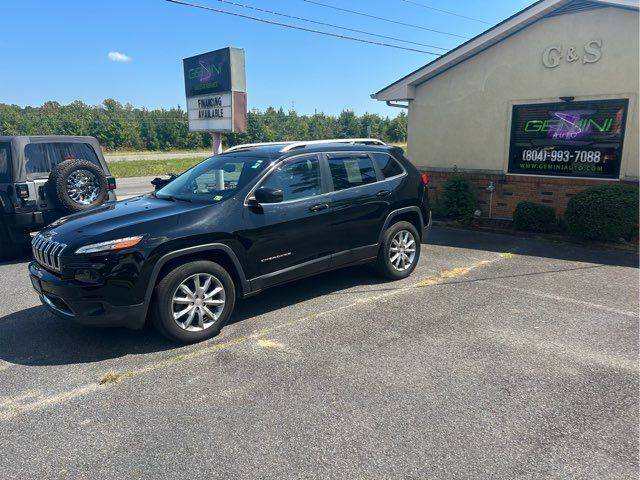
82, 304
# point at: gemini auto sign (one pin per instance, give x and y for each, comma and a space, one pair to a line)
568, 139
215, 87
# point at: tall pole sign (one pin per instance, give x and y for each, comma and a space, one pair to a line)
216, 88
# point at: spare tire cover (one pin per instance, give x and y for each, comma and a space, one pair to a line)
78, 185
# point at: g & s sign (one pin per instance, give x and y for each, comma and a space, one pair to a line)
554, 55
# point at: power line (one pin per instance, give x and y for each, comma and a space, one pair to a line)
252, 7
397, 22
304, 29
444, 11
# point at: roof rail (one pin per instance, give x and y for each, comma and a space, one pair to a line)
246, 146
351, 141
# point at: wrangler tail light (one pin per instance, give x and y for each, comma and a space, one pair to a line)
111, 183
425, 179
22, 190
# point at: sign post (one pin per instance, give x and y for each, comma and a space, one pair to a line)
215, 87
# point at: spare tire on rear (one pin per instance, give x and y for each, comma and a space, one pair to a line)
78, 185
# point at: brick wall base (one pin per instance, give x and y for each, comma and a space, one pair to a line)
510, 189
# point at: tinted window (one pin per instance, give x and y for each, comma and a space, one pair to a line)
297, 179
351, 171
215, 179
388, 165
5, 162
41, 158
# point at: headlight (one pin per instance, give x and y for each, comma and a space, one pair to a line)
111, 245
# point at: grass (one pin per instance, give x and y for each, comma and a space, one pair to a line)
107, 153
148, 168
155, 167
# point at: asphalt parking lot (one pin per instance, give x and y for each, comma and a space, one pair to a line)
501, 357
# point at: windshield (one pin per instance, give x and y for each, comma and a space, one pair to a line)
215, 179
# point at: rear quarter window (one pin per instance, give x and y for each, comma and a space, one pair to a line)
41, 158
5, 162
388, 165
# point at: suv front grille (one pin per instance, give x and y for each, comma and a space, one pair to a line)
47, 252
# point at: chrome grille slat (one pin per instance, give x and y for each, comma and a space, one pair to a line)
47, 252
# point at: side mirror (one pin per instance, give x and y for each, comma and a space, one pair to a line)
158, 182
268, 195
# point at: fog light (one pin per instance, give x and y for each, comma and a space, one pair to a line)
87, 275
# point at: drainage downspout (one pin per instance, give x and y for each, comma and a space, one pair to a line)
397, 105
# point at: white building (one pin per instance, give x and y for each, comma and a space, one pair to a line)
542, 105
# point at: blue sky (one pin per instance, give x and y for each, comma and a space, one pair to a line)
59, 50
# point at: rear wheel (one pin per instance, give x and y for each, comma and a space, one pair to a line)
399, 252
194, 301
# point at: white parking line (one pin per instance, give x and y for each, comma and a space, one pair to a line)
558, 298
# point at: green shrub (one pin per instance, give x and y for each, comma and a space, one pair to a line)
608, 212
534, 217
459, 201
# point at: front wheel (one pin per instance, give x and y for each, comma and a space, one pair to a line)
399, 252
194, 301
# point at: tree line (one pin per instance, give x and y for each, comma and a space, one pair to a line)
125, 127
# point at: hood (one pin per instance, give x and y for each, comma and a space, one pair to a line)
127, 216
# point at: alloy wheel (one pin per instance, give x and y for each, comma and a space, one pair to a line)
402, 252
83, 187
198, 302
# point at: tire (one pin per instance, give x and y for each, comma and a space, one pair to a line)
169, 288
91, 185
384, 265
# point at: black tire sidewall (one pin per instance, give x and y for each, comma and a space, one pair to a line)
163, 314
58, 184
384, 262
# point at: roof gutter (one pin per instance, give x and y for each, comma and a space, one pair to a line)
397, 105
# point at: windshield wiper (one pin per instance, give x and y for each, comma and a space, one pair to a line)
172, 198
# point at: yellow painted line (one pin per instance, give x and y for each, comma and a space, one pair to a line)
111, 378
264, 343
453, 273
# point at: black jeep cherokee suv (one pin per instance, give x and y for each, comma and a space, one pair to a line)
253, 217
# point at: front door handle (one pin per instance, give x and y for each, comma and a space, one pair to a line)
383, 193
317, 208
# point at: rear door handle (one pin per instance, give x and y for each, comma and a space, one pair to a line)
383, 193
317, 208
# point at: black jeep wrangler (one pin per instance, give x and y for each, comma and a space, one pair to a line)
44, 178
232, 226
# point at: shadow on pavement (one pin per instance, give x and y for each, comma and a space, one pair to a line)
500, 243
332, 283
36, 337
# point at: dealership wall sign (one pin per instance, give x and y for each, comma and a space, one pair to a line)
569, 139
215, 86
554, 55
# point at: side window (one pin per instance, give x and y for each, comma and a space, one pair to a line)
297, 179
388, 165
351, 170
5, 162
43, 157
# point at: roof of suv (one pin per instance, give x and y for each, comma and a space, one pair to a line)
46, 138
275, 150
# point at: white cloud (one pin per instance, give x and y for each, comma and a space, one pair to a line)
119, 57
